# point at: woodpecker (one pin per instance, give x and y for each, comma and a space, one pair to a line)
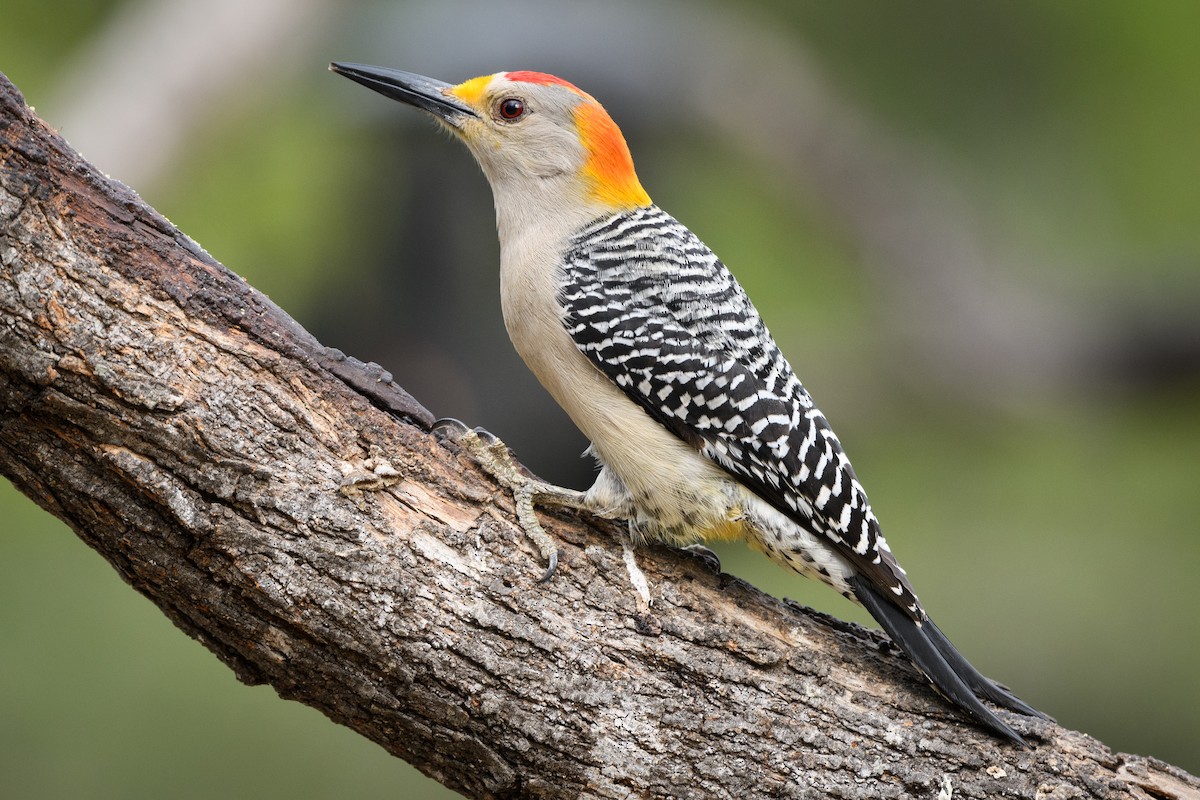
701, 429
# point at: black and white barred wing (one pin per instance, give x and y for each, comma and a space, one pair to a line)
651, 306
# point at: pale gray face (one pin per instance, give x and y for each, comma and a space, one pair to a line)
544, 145
513, 127
521, 131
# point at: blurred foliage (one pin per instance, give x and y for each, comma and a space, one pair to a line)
1078, 117
35, 43
1056, 546
290, 227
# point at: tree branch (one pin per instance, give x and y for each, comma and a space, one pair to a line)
201, 441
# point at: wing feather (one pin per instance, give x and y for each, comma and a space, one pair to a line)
654, 309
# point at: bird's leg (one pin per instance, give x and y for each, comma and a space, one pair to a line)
494, 457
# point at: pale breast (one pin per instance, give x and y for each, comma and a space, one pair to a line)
663, 485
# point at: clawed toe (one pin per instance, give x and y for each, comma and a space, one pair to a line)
448, 428
710, 558
495, 458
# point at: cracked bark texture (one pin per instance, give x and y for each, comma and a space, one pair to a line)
200, 440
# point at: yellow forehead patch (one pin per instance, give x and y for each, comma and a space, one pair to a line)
471, 92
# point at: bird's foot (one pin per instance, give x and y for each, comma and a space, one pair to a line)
710, 558
495, 458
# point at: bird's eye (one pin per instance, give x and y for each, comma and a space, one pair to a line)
511, 108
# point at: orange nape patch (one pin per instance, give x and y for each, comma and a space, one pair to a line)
609, 167
471, 92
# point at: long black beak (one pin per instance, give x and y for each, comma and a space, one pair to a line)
407, 87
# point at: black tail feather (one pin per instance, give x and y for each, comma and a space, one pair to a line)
982, 686
944, 666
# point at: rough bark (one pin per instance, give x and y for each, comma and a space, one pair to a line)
201, 441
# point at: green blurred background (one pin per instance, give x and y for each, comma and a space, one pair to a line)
975, 228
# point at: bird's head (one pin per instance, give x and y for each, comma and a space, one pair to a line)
534, 135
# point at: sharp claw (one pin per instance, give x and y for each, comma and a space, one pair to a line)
449, 428
710, 559
550, 568
487, 437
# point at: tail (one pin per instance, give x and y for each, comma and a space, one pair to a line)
944, 666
